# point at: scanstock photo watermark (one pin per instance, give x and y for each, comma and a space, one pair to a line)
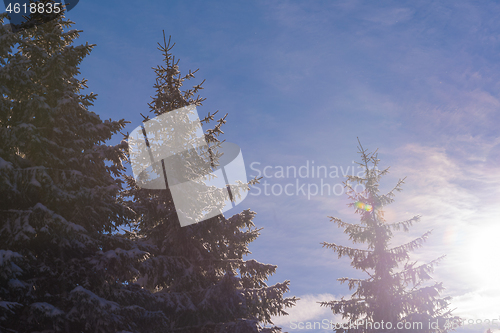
308, 179
450, 324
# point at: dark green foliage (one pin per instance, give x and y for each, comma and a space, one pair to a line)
204, 261
59, 201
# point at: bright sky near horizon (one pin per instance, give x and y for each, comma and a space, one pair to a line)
300, 81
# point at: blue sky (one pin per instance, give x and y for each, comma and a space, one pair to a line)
300, 81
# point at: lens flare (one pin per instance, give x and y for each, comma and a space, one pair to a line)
363, 206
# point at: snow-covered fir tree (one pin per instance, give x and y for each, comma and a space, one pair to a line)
59, 193
397, 291
198, 271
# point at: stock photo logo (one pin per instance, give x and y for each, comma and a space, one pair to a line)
25, 14
170, 151
307, 180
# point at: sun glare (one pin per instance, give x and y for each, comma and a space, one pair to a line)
482, 250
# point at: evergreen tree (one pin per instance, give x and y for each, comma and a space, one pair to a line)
397, 290
59, 193
198, 271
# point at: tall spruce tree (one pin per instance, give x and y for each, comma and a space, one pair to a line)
396, 289
198, 271
60, 206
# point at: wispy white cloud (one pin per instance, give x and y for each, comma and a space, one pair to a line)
308, 310
389, 16
464, 222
